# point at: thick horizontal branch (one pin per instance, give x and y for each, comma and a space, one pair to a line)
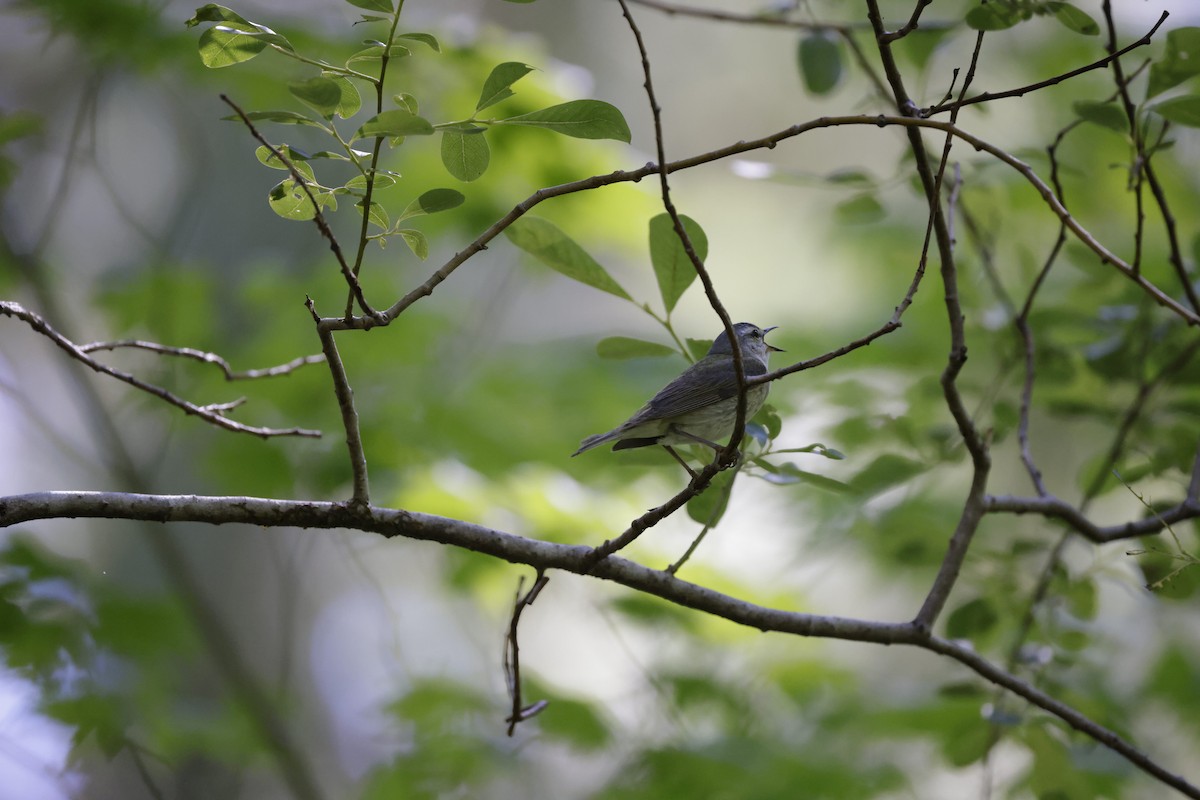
541, 555
1051, 506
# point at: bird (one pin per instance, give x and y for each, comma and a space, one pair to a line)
700, 406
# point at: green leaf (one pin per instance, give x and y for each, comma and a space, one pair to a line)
709, 506
502, 76
407, 102
432, 202
1106, 115
378, 214
396, 122
885, 472
820, 60
416, 242
861, 210
375, 53
581, 119
350, 101
265, 156
543, 240
358, 184
1074, 18
282, 117
320, 94
224, 47
382, 6
993, 17
215, 13
288, 200
699, 347
672, 267
972, 619
1180, 62
424, 38
1183, 110
623, 347
465, 155
770, 420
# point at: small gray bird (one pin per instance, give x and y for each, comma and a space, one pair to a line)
700, 406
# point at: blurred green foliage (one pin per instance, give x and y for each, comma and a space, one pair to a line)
466, 417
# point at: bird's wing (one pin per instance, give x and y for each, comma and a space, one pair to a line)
701, 384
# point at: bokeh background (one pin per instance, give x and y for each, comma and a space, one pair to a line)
133, 210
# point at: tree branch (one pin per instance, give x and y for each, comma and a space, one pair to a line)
210, 414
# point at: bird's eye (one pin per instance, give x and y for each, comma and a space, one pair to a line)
755, 334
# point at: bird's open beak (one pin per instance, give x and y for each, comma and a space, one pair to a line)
771, 346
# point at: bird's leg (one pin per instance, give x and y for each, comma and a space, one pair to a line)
678, 431
679, 458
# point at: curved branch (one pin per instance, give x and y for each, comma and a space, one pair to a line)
768, 142
549, 555
210, 414
204, 357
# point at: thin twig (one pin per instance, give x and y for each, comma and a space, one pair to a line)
986, 97
512, 655
205, 357
207, 413
318, 217
624, 176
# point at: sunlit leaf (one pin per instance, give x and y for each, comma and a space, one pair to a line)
502, 76
320, 94
582, 119
465, 155
1074, 18
396, 122
543, 240
672, 267
416, 242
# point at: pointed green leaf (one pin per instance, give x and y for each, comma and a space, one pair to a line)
375, 53
465, 155
1180, 62
820, 59
623, 347
1106, 115
672, 267
282, 117
1074, 18
320, 94
699, 347
543, 240
432, 202
502, 76
582, 119
424, 38
1183, 110
396, 122
416, 242
382, 6
215, 13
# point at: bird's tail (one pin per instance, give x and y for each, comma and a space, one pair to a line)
595, 440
